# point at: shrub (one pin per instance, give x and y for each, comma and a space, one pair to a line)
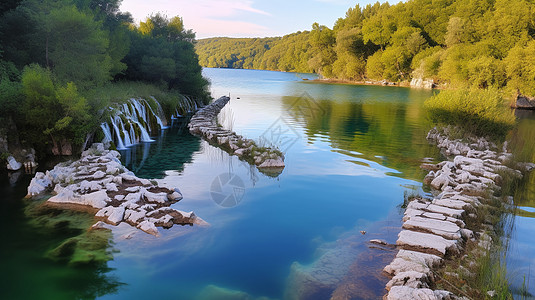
481, 112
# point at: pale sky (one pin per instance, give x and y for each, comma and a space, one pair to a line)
245, 18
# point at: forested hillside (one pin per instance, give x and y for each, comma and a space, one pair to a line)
60, 58
455, 42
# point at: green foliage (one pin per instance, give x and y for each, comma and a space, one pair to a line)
162, 52
520, 68
481, 112
10, 90
375, 67
77, 47
70, 51
51, 109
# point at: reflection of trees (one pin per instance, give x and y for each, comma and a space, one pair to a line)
30, 233
394, 130
172, 149
522, 144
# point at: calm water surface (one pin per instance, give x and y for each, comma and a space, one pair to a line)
351, 154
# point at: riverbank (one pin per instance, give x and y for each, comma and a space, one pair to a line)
456, 226
418, 83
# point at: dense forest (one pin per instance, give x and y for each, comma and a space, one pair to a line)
457, 43
59, 60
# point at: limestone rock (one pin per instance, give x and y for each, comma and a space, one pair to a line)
426, 242
445, 229
149, 228
175, 196
97, 199
272, 163
411, 279
40, 182
407, 260
84, 183
12, 164
409, 293
155, 197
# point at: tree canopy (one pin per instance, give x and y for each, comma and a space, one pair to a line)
55, 55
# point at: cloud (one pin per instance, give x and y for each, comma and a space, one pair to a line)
201, 8
205, 17
229, 28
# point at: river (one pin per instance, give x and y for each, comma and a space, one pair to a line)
352, 154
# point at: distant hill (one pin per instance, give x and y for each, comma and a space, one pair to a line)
458, 43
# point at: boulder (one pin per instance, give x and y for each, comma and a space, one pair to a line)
407, 260
149, 228
411, 279
272, 163
40, 183
12, 164
155, 197
445, 229
86, 186
409, 293
175, 196
426, 242
524, 102
97, 199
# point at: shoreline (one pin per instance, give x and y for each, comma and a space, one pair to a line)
455, 227
362, 82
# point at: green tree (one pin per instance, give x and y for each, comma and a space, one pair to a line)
76, 47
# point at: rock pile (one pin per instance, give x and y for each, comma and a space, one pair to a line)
434, 230
26, 159
97, 182
204, 123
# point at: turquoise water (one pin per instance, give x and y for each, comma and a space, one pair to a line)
348, 166
352, 152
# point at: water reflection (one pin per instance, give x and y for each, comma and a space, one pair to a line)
521, 256
32, 269
172, 149
375, 125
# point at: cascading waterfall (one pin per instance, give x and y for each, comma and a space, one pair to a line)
107, 132
120, 143
158, 119
132, 122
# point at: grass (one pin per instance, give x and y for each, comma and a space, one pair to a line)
480, 112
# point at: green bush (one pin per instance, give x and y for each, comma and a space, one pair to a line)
481, 112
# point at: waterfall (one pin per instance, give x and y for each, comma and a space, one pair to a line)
160, 114
120, 144
131, 121
107, 132
160, 123
124, 131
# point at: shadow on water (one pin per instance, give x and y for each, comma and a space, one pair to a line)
50, 254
